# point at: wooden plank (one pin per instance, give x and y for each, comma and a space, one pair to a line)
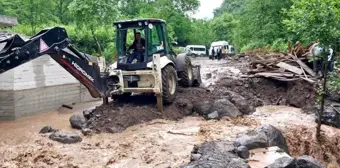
303, 65
269, 74
289, 68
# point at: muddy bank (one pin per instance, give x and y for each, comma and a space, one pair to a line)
301, 141
137, 109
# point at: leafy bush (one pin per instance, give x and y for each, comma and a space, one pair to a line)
280, 45
178, 50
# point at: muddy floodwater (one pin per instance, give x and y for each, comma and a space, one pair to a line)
159, 143
156, 144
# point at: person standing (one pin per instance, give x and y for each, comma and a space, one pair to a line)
213, 53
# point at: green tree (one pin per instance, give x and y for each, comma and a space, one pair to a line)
223, 27
61, 10
201, 32
235, 7
92, 14
30, 12
315, 20
260, 24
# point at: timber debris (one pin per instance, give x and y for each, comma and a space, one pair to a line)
284, 66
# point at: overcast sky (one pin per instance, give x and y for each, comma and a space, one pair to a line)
207, 7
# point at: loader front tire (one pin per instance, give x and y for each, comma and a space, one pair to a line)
187, 74
169, 84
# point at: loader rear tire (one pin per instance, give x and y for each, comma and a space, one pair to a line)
187, 74
169, 84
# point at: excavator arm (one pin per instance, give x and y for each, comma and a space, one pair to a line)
55, 43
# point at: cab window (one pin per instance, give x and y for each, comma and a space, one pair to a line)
155, 41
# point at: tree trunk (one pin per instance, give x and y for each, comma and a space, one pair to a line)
324, 87
96, 40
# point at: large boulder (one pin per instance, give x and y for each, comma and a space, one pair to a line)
225, 108
66, 138
307, 162
77, 121
240, 102
217, 154
186, 106
330, 117
263, 136
252, 140
203, 108
283, 162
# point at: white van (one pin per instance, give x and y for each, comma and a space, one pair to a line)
199, 50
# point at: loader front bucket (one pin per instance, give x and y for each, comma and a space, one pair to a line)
197, 75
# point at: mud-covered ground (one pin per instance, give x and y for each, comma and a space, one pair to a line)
135, 134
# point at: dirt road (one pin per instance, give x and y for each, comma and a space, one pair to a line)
158, 143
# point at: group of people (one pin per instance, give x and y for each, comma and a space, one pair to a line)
219, 52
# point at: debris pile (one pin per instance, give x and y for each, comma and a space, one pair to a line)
262, 91
289, 66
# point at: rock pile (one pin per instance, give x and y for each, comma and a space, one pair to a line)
225, 154
191, 101
62, 137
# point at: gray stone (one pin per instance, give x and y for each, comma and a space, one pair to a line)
47, 129
240, 102
77, 121
112, 129
274, 136
261, 137
335, 96
208, 75
307, 162
225, 108
202, 108
66, 138
252, 140
88, 114
86, 131
195, 157
243, 152
186, 105
238, 163
216, 154
330, 117
213, 115
283, 162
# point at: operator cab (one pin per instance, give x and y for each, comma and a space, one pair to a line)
138, 40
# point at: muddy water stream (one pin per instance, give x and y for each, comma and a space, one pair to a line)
13, 132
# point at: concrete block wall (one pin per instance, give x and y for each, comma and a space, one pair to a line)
37, 86
8, 21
